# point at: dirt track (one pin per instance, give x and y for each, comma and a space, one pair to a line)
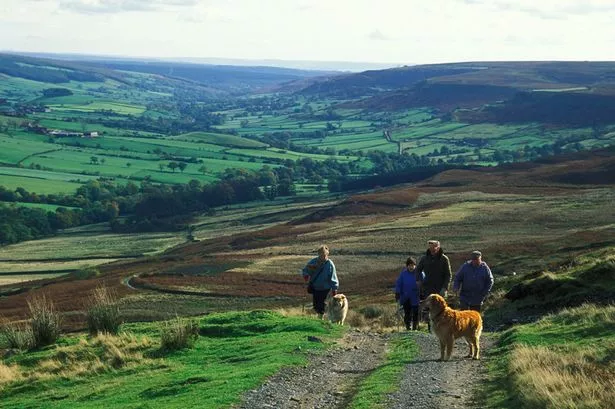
330, 380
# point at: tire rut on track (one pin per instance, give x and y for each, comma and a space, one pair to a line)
331, 379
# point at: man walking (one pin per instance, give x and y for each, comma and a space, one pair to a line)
437, 269
473, 282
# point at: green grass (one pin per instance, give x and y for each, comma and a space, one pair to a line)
95, 245
235, 353
40, 186
220, 139
564, 360
118, 107
384, 380
44, 206
13, 150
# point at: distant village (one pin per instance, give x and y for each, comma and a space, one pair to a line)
59, 133
21, 110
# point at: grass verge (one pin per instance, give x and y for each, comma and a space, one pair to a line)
384, 380
234, 353
564, 360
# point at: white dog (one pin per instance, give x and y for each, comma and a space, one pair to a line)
337, 309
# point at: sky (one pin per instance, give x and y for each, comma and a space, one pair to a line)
394, 32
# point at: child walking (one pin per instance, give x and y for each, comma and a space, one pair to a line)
407, 293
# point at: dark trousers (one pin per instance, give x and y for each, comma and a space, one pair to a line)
411, 315
318, 299
464, 306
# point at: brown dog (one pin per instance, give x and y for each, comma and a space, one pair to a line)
337, 309
449, 324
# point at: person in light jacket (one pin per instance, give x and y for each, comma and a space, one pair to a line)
473, 282
320, 273
407, 293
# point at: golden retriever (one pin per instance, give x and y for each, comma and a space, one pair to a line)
337, 309
449, 324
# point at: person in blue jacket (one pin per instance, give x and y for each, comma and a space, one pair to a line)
473, 281
407, 293
321, 275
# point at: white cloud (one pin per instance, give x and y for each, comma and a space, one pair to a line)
377, 35
118, 6
396, 31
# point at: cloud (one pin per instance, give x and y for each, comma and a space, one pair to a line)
547, 9
119, 6
378, 36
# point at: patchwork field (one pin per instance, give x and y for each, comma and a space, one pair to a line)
250, 256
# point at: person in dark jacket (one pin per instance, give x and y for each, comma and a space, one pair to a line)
473, 282
321, 274
407, 293
437, 268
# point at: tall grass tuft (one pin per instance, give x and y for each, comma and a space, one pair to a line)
555, 379
103, 314
17, 336
178, 333
45, 322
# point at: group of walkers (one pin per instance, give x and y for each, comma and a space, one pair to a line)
473, 281
432, 275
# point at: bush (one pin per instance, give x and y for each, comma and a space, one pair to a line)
103, 315
45, 322
178, 334
355, 320
372, 311
17, 337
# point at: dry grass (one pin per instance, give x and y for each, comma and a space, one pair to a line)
552, 379
355, 319
45, 321
8, 374
103, 315
17, 335
103, 353
178, 333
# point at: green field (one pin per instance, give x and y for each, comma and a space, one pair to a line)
81, 247
38, 185
235, 353
219, 139
120, 108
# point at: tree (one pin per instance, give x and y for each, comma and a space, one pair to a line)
182, 166
173, 165
128, 164
203, 169
161, 166
102, 161
94, 160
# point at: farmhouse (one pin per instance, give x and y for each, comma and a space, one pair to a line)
60, 133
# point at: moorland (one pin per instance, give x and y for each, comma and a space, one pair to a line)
185, 196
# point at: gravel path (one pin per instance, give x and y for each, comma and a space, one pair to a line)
430, 384
330, 380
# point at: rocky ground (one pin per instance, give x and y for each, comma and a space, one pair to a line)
330, 380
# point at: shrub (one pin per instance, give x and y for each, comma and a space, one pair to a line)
103, 315
356, 320
17, 337
389, 317
45, 322
178, 334
372, 311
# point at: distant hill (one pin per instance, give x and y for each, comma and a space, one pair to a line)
518, 75
222, 78
560, 93
54, 71
228, 77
